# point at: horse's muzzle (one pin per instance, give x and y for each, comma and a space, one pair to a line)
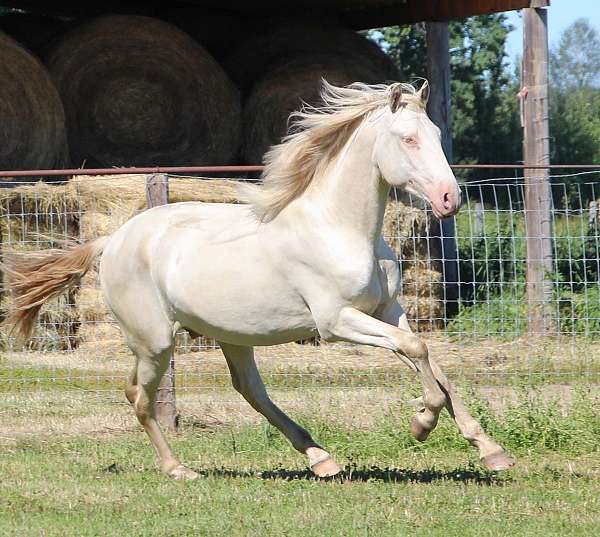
445, 200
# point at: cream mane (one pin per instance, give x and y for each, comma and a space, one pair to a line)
317, 135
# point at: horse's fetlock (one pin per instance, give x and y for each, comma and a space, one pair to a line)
472, 431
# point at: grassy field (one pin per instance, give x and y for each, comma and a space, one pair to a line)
74, 465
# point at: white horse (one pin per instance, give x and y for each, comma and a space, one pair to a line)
304, 257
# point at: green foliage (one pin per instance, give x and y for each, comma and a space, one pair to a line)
485, 121
580, 312
492, 271
575, 96
575, 63
406, 46
575, 125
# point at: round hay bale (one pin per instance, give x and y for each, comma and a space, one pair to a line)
262, 52
32, 118
208, 27
139, 91
283, 89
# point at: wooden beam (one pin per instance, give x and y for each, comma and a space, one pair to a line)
157, 193
411, 11
536, 151
369, 13
440, 112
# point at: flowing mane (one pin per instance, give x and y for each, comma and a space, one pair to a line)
317, 135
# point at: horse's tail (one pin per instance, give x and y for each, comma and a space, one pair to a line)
35, 277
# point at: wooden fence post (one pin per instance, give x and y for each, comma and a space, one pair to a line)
157, 193
536, 151
440, 112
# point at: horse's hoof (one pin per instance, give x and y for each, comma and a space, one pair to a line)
498, 462
326, 468
419, 432
181, 473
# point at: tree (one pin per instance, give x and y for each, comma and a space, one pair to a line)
575, 95
575, 63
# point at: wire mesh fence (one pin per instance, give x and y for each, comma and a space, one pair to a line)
476, 322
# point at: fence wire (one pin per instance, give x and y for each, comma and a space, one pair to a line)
467, 296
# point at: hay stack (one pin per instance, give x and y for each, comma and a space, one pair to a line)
413, 235
283, 89
32, 119
33, 216
208, 27
138, 91
261, 53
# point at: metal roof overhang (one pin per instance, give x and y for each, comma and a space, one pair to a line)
357, 14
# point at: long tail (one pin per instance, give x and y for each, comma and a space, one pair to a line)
36, 277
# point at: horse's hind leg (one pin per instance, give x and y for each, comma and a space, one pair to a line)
150, 335
246, 380
141, 393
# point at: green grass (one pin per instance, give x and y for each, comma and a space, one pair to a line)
253, 483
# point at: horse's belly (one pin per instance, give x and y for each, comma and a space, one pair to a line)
245, 320
233, 295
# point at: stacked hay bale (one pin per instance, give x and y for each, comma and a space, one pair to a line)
41, 216
208, 27
283, 68
413, 233
32, 118
139, 91
107, 203
259, 54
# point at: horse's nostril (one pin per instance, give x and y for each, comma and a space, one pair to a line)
446, 200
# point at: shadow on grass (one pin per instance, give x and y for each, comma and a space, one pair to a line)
374, 473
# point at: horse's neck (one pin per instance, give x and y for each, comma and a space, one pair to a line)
351, 194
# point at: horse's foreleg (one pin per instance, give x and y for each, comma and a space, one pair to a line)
247, 381
355, 326
491, 453
141, 393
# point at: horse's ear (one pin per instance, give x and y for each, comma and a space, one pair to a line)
396, 98
423, 93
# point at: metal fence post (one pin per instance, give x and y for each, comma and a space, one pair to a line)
157, 193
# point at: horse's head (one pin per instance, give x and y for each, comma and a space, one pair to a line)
409, 154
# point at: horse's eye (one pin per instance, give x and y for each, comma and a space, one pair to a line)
410, 140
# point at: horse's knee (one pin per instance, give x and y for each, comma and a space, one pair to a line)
415, 348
